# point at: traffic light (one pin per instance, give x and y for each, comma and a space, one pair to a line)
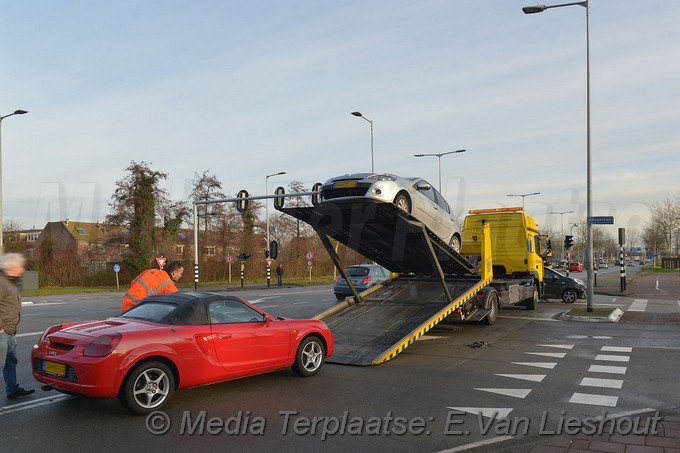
273, 249
568, 242
278, 201
242, 204
266, 253
243, 256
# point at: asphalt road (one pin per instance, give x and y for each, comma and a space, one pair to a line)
528, 372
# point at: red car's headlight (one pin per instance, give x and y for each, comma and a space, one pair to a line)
50, 330
102, 346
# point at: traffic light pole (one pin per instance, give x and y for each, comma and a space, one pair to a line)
241, 205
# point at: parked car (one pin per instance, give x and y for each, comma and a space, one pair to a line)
413, 195
603, 264
175, 341
575, 267
559, 286
363, 276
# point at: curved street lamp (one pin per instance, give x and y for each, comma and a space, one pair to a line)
523, 195
358, 114
589, 204
16, 112
439, 155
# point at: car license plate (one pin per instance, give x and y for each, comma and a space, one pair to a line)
345, 184
54, 368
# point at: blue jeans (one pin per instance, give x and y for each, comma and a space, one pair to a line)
8, 362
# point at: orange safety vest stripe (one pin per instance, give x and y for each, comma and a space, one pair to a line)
149, 282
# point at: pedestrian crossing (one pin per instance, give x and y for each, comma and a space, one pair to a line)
600, 387
638, 305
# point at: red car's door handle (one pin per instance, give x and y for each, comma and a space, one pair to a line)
224, 336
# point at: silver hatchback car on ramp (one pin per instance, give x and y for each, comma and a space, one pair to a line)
413, 195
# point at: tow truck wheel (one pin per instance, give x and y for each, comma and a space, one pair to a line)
402, 202
531, 302
491, 303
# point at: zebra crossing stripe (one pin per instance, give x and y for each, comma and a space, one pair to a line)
616, 349
612, 358
603, 383
594, 400
607, 369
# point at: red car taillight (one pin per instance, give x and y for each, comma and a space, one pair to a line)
50, 330
366, 281
102, 346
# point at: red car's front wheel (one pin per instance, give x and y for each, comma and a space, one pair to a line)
309, 357
147, 388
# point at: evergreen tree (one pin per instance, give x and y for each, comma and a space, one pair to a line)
134, 203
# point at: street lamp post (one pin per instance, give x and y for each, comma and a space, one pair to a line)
439, 155
523, 195
589, 205
562, 226
2, 233
358, 114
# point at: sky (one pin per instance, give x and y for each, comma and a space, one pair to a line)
244, 89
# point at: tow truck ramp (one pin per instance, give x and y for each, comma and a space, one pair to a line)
436, 281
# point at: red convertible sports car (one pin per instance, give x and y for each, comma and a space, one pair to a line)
174, 341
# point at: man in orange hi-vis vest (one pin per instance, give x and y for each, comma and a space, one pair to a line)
152, 281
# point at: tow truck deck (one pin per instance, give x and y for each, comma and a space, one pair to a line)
436, 281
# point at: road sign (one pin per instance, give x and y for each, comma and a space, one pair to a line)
309, 264
601, 220
230, 258
309, 256
161, 261
116, 268
269, 263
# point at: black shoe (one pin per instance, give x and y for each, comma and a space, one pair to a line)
19, 392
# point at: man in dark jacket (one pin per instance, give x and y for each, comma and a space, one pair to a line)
12, 265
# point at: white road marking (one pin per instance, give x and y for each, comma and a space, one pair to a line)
489, 412
594, 400
560, 346
515, 393
638, 305
525, 377
33, 403
554, 355
261, 299
604, 383
612, 358
481, 443
657, 285
616, 349
268, 306
549, 365
29, 334
607, 369
39, 304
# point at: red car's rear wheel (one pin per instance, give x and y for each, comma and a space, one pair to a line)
147, 387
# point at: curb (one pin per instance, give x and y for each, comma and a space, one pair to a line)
615, 316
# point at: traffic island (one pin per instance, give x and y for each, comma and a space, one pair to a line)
597, 315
